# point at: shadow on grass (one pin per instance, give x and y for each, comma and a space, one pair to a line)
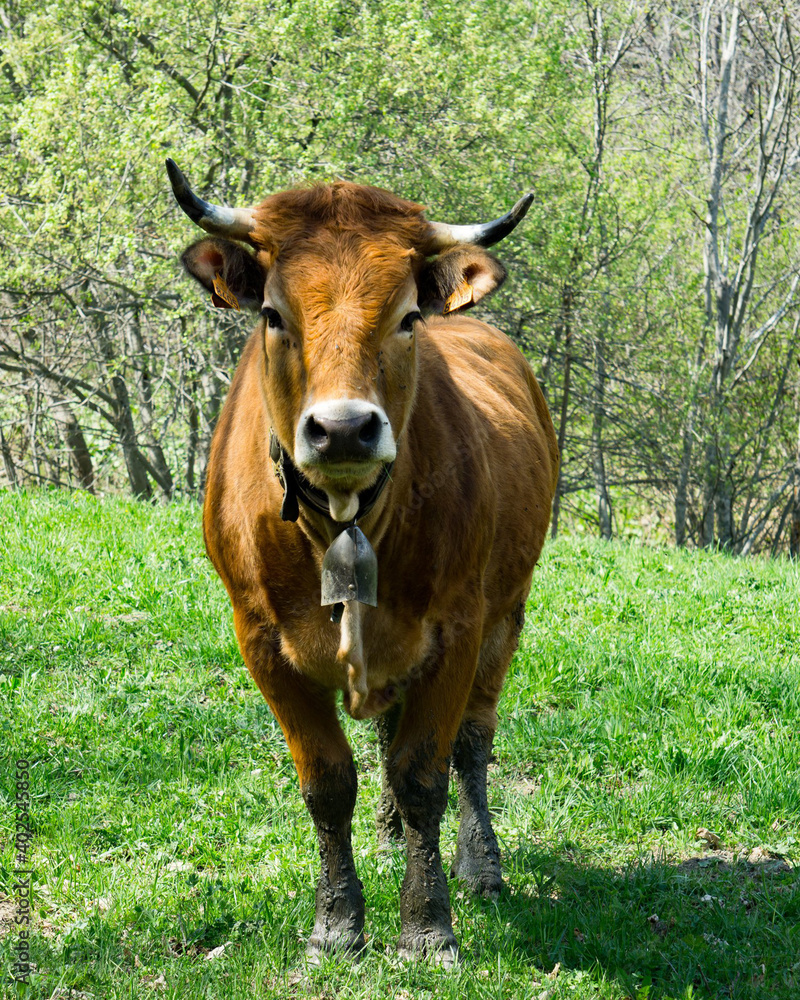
710, 927
713, 926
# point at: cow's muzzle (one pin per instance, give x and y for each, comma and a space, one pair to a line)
342, 436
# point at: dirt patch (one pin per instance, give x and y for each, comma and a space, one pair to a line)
15, 609
758, 861
524, 786
7, 913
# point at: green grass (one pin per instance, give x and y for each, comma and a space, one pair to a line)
654, 692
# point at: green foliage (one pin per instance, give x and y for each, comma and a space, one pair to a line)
594, 107
654, 692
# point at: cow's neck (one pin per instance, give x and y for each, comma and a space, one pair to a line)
299, 494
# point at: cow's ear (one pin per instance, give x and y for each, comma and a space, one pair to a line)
226, 269
458, 278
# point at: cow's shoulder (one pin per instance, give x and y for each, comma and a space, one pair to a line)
468, 367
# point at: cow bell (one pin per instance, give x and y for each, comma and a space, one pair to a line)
350, 570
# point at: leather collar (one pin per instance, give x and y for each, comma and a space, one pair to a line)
297, 488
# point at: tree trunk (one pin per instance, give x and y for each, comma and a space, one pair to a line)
715, 265
731, 250
566, 324
211, 396
194, 437
136, 464
73, 438
778, 402
33, 431
682, 486
158, 464
8, 461
709, 493
604, 512
723, 498
134, 460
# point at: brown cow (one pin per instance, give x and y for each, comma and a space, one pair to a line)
434, 436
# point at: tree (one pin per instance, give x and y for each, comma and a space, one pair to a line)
601, 40
746, 106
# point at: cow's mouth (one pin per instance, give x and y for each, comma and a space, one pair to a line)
349, 474
344, 485
342, 476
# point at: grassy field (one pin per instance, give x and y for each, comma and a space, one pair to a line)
655, 692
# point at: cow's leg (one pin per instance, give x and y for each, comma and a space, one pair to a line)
324, 761
388, 821
418, 773
330, 795
477, 859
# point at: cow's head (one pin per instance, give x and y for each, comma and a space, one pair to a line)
341, 276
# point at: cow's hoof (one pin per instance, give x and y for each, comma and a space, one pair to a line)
342, 945
484, 878
439, 947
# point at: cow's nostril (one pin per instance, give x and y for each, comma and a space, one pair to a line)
317, 434
371, 429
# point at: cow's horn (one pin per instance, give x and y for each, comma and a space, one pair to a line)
236, 223
486, 234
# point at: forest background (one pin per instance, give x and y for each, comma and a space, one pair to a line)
654, 285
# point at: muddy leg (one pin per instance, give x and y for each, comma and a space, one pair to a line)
388, 820
424, 897
418, 770
477, 860
324, 762
339, 919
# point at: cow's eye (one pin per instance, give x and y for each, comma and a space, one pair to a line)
407, 326
273, 317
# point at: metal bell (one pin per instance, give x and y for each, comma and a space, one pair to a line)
350, 569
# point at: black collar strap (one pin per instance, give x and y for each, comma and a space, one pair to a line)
297, 487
